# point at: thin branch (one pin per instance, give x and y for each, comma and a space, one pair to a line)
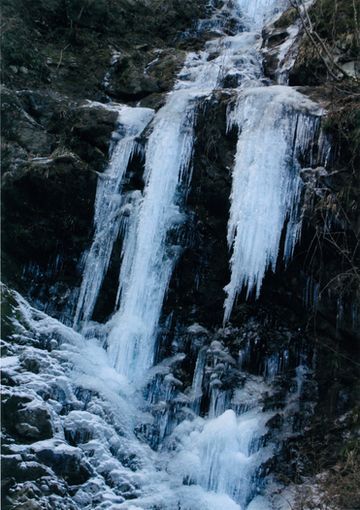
317, 41
61, 56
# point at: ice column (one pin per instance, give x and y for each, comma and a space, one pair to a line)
108, 204
169, 150
276, 127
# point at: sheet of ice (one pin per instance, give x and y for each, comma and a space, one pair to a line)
109, 207
169, 149
221, 455
276, 128
148, 257
260, 12
259, 503
287, 53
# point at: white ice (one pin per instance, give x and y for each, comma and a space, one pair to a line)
276, 126
260, 12
149, 259
108, 207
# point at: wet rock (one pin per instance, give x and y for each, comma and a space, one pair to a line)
34, 422
205, 259
11, 403
92, 126
18, 126
138, 74
28, 496
128, 80
65, 188
272, 40
309, 69
275, 422
27, 419
13, 467
65, 460
48, 108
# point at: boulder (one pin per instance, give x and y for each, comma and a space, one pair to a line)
65, 460
27, 419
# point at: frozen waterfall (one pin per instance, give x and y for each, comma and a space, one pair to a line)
108, 206
168, 154
132, 340
212, 461
277, 125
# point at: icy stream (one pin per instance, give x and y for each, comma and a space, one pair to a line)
212, 460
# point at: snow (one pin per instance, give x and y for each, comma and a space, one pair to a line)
9, 361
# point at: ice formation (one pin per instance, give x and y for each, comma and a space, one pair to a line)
210, 462
108, 206
168, 154
276, 125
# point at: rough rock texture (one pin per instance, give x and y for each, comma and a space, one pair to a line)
324, 271
57, 56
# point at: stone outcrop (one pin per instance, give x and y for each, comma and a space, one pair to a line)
56, 142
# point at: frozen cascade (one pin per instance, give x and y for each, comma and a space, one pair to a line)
261, 11
208, 456
167, 175
169, 149
277, 125
108, 204
212, 462
222, 456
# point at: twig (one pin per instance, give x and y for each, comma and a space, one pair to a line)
61, 56
316, 40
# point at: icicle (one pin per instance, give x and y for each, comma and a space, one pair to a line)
276, 127
198, 380
108, 203
149, 262
130, 226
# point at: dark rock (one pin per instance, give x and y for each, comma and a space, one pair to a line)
66, 462
49, 199
27, 419
11, 403
128, 81
93, 125
13, 467
48, 108
275, 422
19, 127
206, 259
34, 422
138, 74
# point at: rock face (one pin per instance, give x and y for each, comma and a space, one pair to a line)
54, 141
295, 348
